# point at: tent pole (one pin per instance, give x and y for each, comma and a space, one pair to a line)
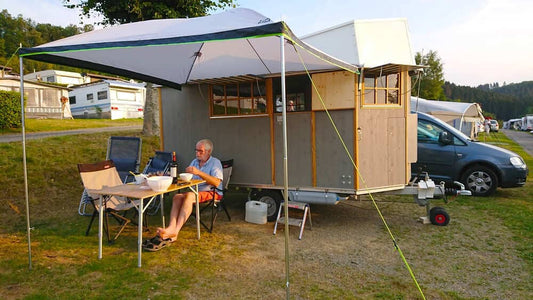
285, 164
24, 159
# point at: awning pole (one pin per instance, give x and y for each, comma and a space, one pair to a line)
285, 165
28, 228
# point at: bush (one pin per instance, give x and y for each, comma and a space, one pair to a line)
10, 112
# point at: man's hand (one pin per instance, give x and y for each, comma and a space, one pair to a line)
192, 170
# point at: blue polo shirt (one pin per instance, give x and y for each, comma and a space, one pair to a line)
213, 167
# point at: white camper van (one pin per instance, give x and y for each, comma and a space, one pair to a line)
108, 99
527, 123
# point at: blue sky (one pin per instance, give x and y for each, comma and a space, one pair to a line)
478, 41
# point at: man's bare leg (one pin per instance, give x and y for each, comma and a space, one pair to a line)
181, 210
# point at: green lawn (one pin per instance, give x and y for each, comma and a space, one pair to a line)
485, 253
37, 125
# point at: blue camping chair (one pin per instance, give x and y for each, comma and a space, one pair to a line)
159, 163
125, 152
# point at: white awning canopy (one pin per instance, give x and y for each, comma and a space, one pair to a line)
173, 52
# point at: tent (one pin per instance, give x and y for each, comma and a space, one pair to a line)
460, 115
172, 52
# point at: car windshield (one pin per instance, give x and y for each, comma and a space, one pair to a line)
448, 127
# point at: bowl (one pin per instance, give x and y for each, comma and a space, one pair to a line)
186, 176
140, 178
159, 183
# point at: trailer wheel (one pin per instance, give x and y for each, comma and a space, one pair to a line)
273, 200
438, 216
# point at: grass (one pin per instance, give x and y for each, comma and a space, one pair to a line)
485, 252
38, 125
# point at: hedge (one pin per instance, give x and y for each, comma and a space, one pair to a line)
10, 112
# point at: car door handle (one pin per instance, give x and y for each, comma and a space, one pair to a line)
459, 155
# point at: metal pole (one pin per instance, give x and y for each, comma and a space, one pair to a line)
285, 165
28, 228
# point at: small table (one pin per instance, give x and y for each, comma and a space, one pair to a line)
141, 192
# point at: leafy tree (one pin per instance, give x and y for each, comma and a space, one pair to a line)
15, 31
125, 11
429, 83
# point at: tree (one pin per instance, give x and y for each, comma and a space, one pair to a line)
125, 11
429, 83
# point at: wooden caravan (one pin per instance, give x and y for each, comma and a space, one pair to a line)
370, 112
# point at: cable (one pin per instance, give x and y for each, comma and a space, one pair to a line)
396, 246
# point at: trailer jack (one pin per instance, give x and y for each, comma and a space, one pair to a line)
423, 190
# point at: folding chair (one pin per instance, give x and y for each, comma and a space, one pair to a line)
218, 205
125, 152
95, 176
160, 162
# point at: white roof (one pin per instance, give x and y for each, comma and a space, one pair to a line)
368, 43
447, 110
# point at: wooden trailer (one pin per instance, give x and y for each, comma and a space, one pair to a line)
370, 111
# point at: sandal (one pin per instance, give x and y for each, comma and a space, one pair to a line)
156, 243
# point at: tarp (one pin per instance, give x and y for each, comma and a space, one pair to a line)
173, 52
454, 113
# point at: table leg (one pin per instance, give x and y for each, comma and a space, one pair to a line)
100, 225
162, 208
140, 233
197, 212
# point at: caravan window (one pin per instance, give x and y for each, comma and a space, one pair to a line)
72, 99
125, 96
382, 89
90, 97
298, 97
238, 99
102, 95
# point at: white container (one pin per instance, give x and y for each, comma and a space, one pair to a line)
256, 212
159, 183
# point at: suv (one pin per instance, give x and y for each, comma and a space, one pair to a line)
446, 154
494, 126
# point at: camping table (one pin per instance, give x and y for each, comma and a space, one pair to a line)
142, 192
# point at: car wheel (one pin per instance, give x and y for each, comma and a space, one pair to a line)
482, 181
438, 216
273, 200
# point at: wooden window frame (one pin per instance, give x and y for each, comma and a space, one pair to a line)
381, 86
241, 109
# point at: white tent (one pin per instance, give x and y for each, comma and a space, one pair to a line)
462, 116
172, 52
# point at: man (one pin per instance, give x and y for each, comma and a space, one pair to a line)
205, 167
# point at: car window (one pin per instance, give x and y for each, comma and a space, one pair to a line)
428, 132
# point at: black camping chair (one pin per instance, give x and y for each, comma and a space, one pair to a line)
215, 206
125, 152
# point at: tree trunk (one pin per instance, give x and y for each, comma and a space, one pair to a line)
151, 111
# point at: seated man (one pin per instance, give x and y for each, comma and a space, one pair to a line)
204, 166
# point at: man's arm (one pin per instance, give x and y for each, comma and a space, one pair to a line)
212, 180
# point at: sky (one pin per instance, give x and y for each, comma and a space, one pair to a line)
478, 41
